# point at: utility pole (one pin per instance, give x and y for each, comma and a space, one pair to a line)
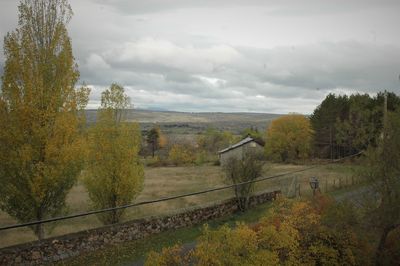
385, 114
330, 141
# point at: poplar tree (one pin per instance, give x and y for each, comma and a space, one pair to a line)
114, 175
40, 114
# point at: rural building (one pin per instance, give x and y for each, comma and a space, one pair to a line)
237, 150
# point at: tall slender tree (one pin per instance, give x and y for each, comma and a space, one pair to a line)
40, 114
114, 174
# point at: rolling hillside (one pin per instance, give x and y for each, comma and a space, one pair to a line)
191, 123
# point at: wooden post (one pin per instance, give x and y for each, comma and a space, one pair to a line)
334, 183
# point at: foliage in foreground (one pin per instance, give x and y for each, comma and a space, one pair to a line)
41, 145
382, 168
292, 233
114, 176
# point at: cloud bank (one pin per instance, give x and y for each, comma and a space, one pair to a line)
256, 56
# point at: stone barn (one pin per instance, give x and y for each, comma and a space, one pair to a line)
237, 150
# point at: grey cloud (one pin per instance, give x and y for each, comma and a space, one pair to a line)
246, 56
306, 72
276, 7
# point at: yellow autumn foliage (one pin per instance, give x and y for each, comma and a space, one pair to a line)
290, 234
181, 154
114, 174
41, 114
289, 138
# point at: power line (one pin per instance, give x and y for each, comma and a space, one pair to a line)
166, 198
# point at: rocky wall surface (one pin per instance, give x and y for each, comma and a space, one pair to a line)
67, 246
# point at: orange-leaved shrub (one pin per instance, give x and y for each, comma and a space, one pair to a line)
291, 233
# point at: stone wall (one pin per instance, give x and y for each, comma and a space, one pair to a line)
67, 246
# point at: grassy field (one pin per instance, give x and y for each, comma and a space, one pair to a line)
169, 181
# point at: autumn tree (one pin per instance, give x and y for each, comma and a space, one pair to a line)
114, 173
292, 233
181, 154
246, 169
41, 148
289, 138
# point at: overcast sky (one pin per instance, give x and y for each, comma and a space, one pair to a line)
248, 56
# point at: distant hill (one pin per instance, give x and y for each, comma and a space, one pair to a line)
192, 123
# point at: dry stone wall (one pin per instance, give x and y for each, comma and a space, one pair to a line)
67, 246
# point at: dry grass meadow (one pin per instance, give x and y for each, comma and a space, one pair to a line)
169, 181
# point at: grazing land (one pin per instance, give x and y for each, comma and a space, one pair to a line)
168, 181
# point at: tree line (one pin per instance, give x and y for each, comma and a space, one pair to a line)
345, 125
340, 126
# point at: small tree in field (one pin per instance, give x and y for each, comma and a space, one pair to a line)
41, 146
114, 174
242, 170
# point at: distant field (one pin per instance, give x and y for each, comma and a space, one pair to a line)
192, 123
168, 181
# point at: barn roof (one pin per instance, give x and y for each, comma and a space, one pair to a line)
240, 143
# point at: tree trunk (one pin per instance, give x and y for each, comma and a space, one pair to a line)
114, 218
39, 230
381, 247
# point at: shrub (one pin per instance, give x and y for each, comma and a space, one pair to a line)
291, 234
181, 154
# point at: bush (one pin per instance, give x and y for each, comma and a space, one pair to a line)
292, 233
181, 154
201, 158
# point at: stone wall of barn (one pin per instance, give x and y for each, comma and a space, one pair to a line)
238, 152
67, 246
